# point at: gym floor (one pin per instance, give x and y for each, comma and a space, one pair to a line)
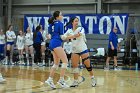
24, 79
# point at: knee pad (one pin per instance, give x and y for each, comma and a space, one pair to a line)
55, 66
89, 68
64, 65
83, 60
8, 53
75, 70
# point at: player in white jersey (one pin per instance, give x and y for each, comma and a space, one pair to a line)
79, 49
2, 48
10, 44
20, 45
29, 45
2, 45
43, 46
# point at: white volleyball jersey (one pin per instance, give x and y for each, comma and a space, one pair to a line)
29, 39
2, 39
20, 42
44, 37
78, 44
10, 36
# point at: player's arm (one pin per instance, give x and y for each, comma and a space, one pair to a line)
14, 36
110, 41
8, 36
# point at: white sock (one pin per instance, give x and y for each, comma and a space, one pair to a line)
50, 78
61, 78
92, 77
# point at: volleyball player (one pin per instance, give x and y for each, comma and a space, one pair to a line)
56, 29
10, 34
2, 52
37, 40
29, 45
20, 46
2, 46
79, 49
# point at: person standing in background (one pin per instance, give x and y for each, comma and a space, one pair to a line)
113, 46
10, 35
20, 46
29, 45
37, 40
2, 46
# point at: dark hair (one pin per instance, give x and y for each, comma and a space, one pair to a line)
35, 32
55, 14
38, 28
9, 27
26, 30
51, 20
71, 21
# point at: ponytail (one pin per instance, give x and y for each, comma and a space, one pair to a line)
51, 20
55, 14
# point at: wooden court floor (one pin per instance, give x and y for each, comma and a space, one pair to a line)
24, 79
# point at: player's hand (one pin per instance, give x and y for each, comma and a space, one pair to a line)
48, 36
78, 34
112, 47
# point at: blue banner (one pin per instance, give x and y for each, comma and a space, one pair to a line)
93, 23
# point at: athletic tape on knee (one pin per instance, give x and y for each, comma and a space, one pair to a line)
64, 65
89, 68
83, 60
75, 70
55, 66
